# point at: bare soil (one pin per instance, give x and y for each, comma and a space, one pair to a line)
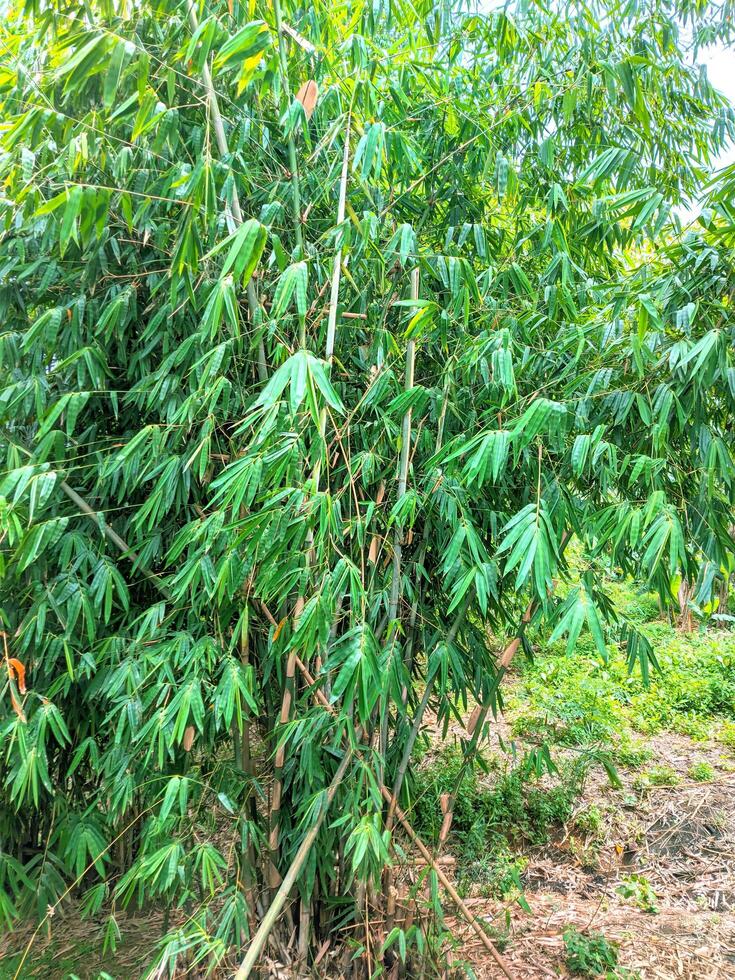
680, 838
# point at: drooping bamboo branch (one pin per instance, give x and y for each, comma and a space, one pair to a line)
479, 715
81, 504
420, 710
425, 535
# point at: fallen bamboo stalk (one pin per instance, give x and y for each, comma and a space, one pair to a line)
448, 886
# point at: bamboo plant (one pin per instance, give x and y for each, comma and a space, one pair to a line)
303, 397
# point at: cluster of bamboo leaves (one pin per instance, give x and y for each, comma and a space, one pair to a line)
329, 386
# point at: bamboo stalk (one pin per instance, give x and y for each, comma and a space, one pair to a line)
403, 464
221, 138
246, 764
289, 879
289, 690
334, 294
405, 456
422, 848
292, 161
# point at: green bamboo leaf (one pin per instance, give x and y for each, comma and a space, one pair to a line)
248, 244
248, 43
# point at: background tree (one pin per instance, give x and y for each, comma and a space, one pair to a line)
304, 396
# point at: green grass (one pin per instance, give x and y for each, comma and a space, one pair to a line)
577, 700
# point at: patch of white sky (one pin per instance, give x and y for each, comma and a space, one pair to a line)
720, 63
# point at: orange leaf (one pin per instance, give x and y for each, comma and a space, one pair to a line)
277, 631
307, 96
17, 671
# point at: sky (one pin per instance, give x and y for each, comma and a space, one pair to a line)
720, 62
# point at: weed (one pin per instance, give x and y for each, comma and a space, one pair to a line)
589, 820
580, 701
631, 753
587, 854
497, 874
638, 889
726, 734
701, 772
657, 776
518, 807
589, 954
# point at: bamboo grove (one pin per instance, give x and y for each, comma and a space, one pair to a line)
324, 329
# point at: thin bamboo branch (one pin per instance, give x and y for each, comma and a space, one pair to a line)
223, 147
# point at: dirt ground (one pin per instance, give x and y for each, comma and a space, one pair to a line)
681, 838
